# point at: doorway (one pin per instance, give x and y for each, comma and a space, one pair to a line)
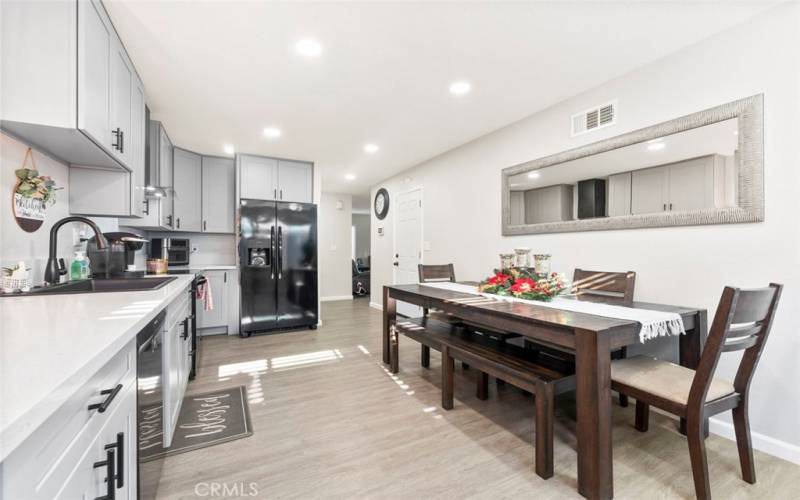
408, 244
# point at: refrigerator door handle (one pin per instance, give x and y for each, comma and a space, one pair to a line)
272, 259
280, 252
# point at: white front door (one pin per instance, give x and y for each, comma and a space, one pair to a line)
408, 244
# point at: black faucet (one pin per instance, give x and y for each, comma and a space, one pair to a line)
52, 272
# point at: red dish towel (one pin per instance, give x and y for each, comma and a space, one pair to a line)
204, 294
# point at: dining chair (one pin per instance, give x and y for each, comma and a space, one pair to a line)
615, 288
435, 273
743, 321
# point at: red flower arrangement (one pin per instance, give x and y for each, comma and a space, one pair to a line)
524, 285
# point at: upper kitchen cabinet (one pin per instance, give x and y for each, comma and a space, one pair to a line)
187, 190
264, 178
218, 194
157, 179
295, 181
68, 86
258, 177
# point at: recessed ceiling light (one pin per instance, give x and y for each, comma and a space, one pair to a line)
656, 146
309, 47
229, 149
350, 177
272, 132
460, 88
371, 148
533, 175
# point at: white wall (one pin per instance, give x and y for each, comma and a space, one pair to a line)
335, 268
16, 244
684, 265
361, 223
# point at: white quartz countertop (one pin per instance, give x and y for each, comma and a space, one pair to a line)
50, 345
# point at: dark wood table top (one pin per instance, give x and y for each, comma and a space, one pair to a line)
531, 312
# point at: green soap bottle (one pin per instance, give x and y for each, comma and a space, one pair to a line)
79, 269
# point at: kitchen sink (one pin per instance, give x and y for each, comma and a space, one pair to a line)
99, 286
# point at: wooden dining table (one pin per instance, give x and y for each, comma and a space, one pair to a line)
591, 338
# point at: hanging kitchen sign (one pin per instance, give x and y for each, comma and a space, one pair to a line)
33, 193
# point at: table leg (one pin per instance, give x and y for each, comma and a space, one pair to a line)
691, 348
593, 380
389, 317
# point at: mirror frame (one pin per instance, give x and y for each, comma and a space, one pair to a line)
750, 207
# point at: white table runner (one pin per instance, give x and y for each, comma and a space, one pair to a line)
654, 323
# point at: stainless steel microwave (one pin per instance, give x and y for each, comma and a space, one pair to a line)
175, 250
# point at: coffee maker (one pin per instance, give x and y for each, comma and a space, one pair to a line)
113, 261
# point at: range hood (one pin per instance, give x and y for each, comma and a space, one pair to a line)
151, 188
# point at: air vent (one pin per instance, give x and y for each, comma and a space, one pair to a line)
594, 118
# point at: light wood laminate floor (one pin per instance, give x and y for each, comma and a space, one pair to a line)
330, 422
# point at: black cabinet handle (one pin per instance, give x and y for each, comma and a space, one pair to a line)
108, 463
185, 334
112, 393
178, 222
169, 220
204, 225
281, 193
665, 207
275, 193
670, 206
225, 277
121, 141
119, 445
118, 137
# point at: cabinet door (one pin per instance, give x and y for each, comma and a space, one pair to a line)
619, 194
295, 181
138, 131
691, 184
94, 57
219, 193
120, 121
649, 190
217, 317
258, 177
164, 158
187, 171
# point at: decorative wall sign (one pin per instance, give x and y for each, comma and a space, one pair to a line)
32, 194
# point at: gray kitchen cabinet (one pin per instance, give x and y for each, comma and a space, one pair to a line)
685, 185
216, 320
295, 180
218, 194
549, 204
265, 178
137, 144
64, 82
120, 110
158, 211
162, 155
187, 190
619, 194
258, 177
95, 44
649, 190
59, 459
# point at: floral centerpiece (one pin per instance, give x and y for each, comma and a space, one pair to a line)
524, 284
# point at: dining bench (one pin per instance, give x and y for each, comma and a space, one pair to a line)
488, 356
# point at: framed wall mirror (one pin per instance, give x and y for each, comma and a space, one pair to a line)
703, 168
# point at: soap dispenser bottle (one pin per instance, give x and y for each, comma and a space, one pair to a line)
79, 269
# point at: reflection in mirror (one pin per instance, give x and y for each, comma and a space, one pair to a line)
691, 170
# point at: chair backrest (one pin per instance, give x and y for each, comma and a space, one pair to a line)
614, 287
743, 321
434, 273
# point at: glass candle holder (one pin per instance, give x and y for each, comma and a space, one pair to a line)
506, 261
542, 263
522, 257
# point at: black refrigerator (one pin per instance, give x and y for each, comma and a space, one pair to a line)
278, 262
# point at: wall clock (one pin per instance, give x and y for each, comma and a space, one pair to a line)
381, 204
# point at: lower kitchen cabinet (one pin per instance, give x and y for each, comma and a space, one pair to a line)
224, 317
67, 457
176, 352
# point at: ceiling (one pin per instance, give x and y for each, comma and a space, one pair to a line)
220, 72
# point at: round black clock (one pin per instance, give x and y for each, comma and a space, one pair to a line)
381, 204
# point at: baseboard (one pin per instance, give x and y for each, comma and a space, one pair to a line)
375, 305
336, 297
768, 445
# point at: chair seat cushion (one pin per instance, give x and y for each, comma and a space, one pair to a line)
663, 379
